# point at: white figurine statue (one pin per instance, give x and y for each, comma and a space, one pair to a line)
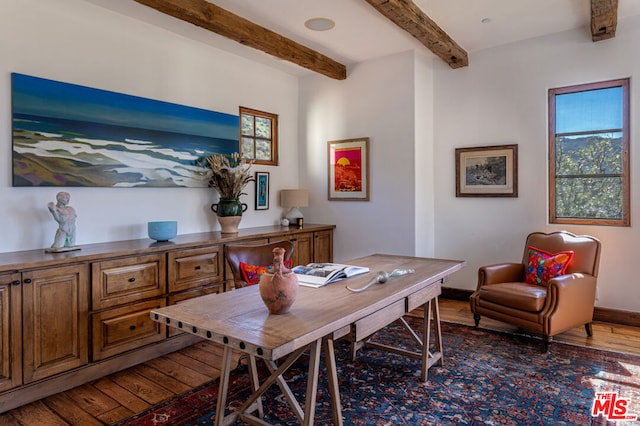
65, 215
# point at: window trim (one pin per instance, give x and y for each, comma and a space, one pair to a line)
274, 135
625, 219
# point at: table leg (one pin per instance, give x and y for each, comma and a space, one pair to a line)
242, 411
312, 382
426, 339
430, 308
438, 336
286, 391
225, 370
332, 377
255, 382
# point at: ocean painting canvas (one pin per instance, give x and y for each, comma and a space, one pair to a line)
70, 135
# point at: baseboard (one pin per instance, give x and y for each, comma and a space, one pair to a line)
456, 294
616, 316
613, 316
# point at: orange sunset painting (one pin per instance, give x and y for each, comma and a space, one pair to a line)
348, 169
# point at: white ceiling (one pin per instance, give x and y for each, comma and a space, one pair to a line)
362, 33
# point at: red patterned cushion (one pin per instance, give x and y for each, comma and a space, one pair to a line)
252, 273
543, 266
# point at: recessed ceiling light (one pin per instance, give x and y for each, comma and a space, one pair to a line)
319, 24
485, 20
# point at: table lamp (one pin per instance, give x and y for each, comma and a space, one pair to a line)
293, 199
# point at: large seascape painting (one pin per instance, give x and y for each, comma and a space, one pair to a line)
70, 135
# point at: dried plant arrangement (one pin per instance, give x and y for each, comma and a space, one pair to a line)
229, 174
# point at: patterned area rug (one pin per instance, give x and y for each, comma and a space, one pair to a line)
487, 378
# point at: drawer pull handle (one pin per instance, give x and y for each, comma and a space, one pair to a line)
16, 282
132, 280
133, 327
198, 268
27, 281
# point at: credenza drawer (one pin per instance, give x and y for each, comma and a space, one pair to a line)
121, 329
376, 321
195, 268
120, 281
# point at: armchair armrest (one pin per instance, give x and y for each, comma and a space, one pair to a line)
570, 301
572, 289
500, 273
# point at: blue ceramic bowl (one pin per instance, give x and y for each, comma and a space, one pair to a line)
162, 230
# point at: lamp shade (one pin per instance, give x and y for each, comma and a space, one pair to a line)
294, 198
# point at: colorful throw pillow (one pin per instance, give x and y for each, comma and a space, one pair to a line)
543, 266
252, 273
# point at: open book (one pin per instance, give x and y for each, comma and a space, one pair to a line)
319, 274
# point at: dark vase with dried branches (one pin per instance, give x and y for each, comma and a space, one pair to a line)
229, 176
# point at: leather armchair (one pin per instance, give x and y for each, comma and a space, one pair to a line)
566, 302
253, 255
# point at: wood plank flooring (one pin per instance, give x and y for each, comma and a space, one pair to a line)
118, 396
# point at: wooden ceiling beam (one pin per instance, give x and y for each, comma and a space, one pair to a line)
222, 22
409, 17
604, 19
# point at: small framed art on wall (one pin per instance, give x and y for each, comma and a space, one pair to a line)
488, 171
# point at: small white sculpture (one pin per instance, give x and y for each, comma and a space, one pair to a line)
65, 215
381, 278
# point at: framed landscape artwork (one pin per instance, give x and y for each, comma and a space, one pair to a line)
262, 190
490, 171
70, 135
348, 170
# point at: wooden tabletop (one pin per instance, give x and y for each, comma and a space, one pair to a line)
240, 319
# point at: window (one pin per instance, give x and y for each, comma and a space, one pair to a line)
589, 154
259, 136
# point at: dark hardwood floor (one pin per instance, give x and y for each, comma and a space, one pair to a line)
123, 394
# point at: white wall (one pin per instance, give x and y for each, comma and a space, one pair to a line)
425, 178
501, 98
81, 43
415, 111
375, 101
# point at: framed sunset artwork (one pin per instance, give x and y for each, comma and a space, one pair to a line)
349, 170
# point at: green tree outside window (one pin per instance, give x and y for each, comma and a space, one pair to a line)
589, 154
259, 136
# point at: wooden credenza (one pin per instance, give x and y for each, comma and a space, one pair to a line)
69, 318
